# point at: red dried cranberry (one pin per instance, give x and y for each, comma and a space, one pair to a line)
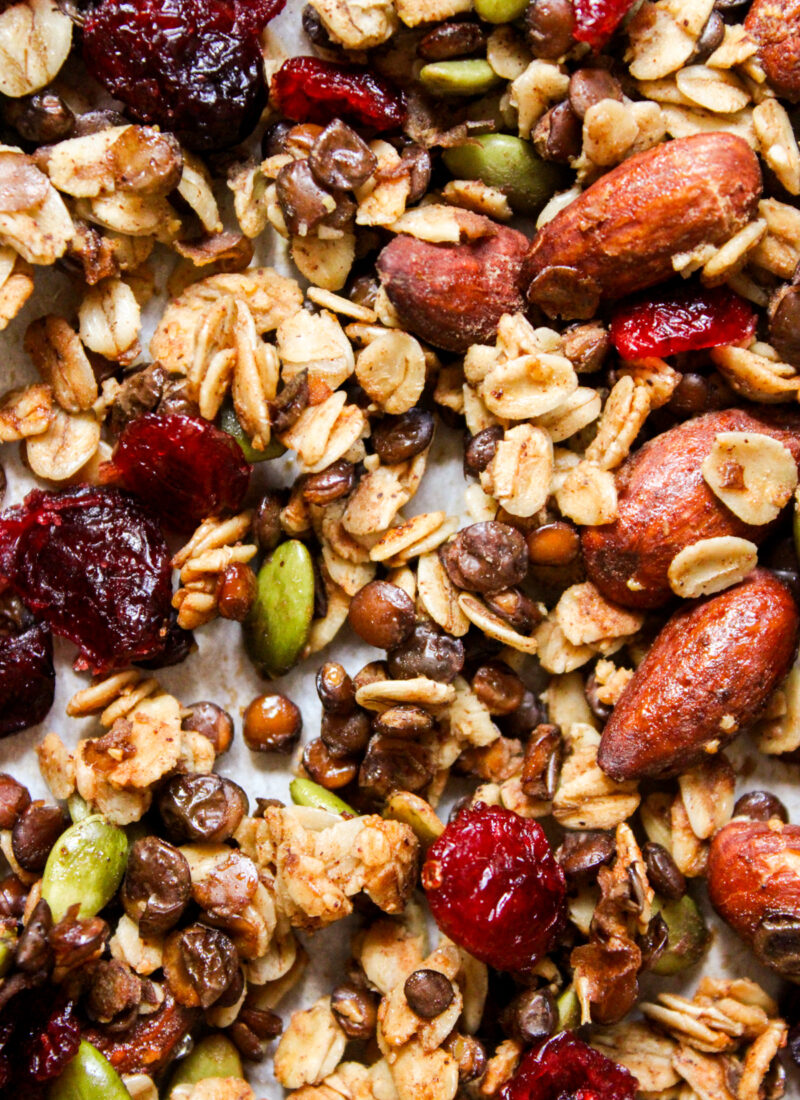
94, 564
39, 1035
565, 1068
27, 678
178, 644
685, 319
184, 468
193, 66
308, 89
596, 20
495, 888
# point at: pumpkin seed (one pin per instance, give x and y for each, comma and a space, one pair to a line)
277, 627
85, 867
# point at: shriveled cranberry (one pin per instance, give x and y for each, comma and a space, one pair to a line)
184, 468
95, 566
566, 1067
596, 20
192, 66
495, 888
308, 89
686, 319
27, 678
39, 1035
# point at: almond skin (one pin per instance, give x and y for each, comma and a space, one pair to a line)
620, 235
665, 505
708, 675
775, 25
453, 295
753, 875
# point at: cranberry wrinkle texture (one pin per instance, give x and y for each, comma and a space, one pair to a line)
596, 20
27, 678
308, 89
565, 1068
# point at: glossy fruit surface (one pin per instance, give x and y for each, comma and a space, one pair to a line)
191, 66
183, 467
686, 319
308, 89
39, 1035
27, 678
596, 20
485, 877
565, 1068
94, 565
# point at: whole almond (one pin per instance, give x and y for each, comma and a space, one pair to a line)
775, 25
754, 884
453, 295
706, 677
620, 235
665, 505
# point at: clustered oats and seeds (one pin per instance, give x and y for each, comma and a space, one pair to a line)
625, 375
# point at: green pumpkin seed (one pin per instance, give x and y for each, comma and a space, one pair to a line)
8, 945
89, 1076
688, 935
569, 1010
416, 812
229, 423
304, 792
470, 77
277, 627
509, 164
500, 11
78, 807
85, 867
214, 1056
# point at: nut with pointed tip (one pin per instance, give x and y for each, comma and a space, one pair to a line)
620, 235
707, 676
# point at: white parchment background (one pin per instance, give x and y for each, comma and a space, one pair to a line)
220, 670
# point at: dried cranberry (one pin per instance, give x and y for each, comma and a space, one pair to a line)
485, 877
566, 1068
596, 20
27, 678
39, 1035
193, 66
308, 89
94, 564
686, 319
185, 468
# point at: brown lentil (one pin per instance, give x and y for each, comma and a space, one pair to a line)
427, 652
588, 86
345, 734
486, 557
157, 886
201, 807
35, 832
760, 806
548, 28
393, 764
405, 721
266, 525
481, 449
14, 798
428, 992
555, 543
340, 159
331, 772
236, 592
382, 614
399, 438
451, 40
335, 689
272, 723
213, 722
200, 964
531, 1016
581, 855
497, 687
356, 1010
512, 605
663, 873
541, 767
330, 484
557, 136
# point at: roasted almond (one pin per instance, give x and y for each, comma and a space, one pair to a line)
775, 25
707, 676
664, 505
453, 295
754, 884
620, 235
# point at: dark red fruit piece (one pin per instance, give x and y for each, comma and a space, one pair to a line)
27, 678
95, 566
308, 89
596, 20
192, 66
39, 1035
495, 888
566, 1068
182, 466
687, 319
